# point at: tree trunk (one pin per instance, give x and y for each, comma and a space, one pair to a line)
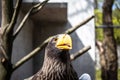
110, 72
96, 4
6, 41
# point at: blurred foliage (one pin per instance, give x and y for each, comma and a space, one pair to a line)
117, 35
116, 22
98, 75
98, 17
99, 34
116, 17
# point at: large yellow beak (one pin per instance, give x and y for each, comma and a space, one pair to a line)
64, 41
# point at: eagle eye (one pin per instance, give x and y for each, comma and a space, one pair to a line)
55, 39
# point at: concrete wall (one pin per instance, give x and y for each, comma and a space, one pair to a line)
46, 25
36, 31
78, 11
84, 64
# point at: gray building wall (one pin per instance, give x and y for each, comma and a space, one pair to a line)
40, 26
82, 37
21, 47
78, 11
83, 64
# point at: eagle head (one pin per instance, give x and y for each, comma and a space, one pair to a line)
59, 46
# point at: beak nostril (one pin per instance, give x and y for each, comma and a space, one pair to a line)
64, 35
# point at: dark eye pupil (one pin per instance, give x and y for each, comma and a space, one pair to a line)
55, 39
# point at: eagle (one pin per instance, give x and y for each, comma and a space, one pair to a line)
57, 64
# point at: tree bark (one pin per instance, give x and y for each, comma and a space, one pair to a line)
101, 48
110, 72
7, 10
9, 17
5, 40
96, 4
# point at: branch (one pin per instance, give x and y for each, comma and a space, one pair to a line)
3, 52
15, 16
101, 47
79, 53
32, 10
35, 51
38, 6
31, 54
7, 12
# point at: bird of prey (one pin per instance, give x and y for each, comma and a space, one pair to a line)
57, 64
